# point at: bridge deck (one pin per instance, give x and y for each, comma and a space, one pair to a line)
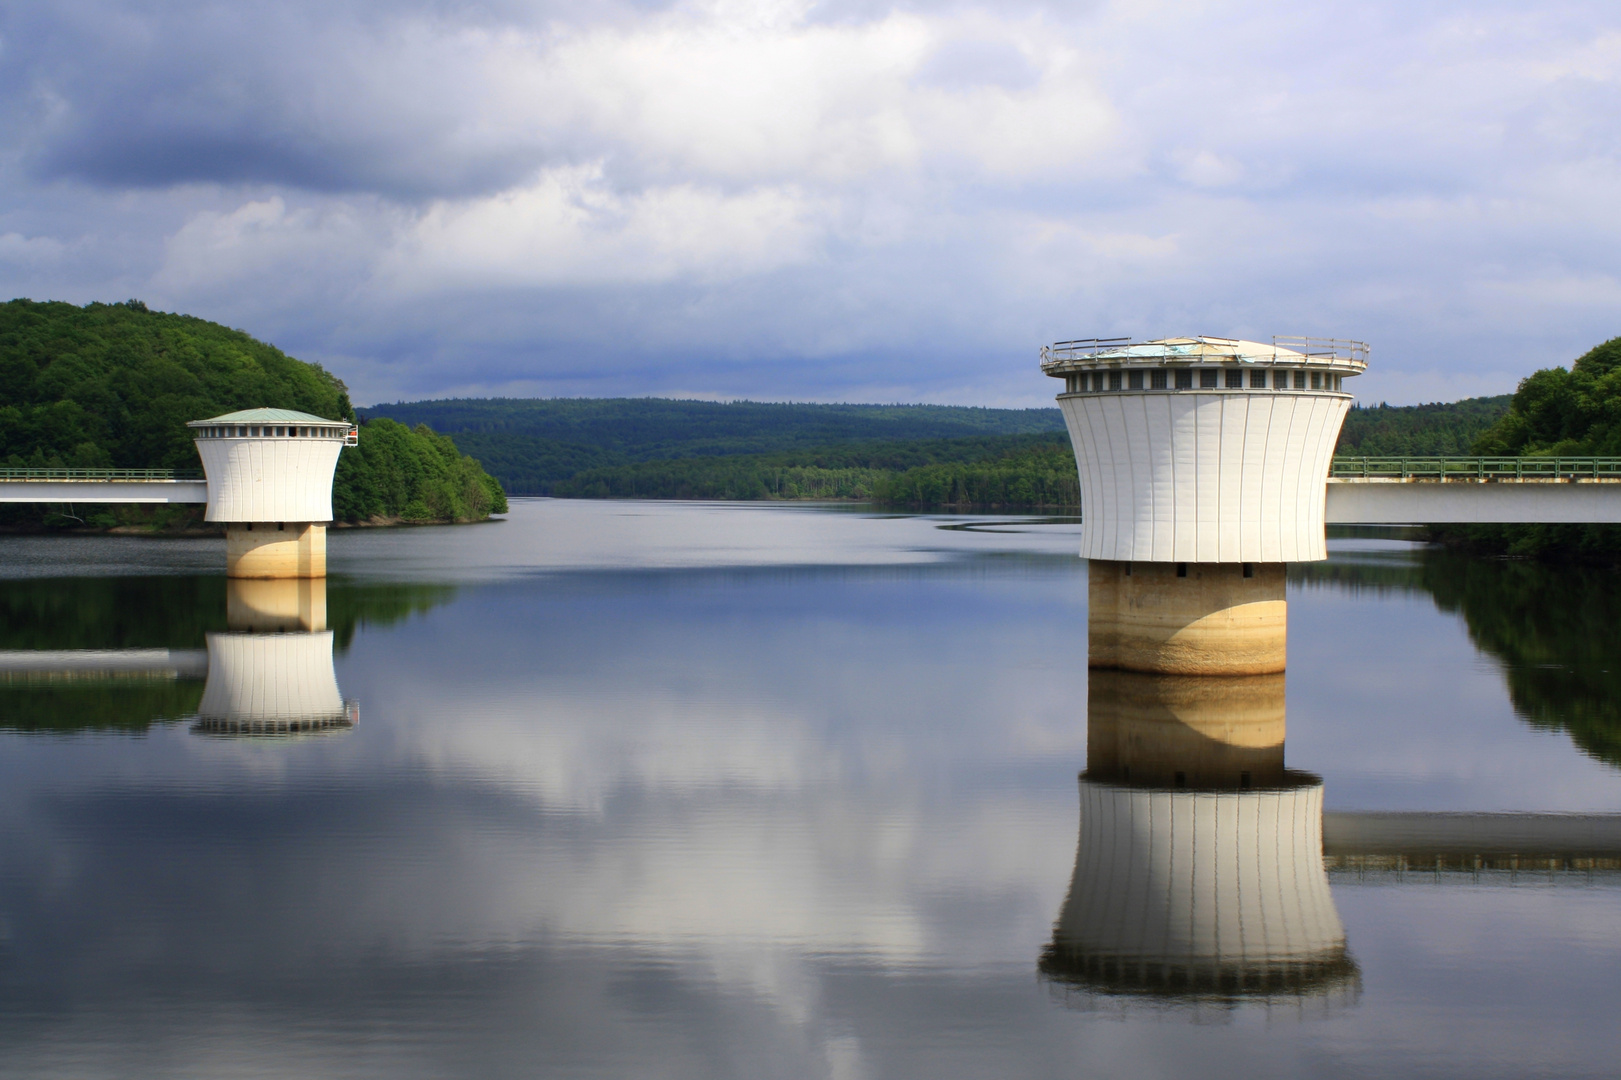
1457, 490
102, 486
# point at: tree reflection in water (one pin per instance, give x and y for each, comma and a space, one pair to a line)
68, 615
1552, 627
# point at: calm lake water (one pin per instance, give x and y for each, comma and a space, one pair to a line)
695, 790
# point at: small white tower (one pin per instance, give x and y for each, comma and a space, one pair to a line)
270, 481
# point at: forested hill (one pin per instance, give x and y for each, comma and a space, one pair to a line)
113, 385
602, 446
919, 455
647, 428
1449, 428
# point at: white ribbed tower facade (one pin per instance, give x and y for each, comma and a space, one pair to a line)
1203, 450
270, 481
1203, 465
271, 681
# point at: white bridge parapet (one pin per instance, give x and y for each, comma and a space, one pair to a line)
1375, 501
100, 486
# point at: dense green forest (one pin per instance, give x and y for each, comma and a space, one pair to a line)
580, 446
648, 428
909, 455
1009, 470
1419, 430
113, 385
1555, 411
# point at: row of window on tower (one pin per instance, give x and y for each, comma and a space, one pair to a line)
255, 431
1093, 382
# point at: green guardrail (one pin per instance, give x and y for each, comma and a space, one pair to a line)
101, 474
1475, 468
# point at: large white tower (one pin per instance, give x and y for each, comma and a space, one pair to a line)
1203, 463
270, 481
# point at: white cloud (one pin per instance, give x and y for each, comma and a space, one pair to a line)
914, 197
571, 229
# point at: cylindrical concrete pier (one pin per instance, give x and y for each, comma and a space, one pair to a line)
1187, 618
275, 549
270, 606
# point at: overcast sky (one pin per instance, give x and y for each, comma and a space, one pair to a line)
822, 201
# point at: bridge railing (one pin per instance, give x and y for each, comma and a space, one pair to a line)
1475, 468
101, 474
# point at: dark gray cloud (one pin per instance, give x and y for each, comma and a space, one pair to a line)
340, 98
824, 200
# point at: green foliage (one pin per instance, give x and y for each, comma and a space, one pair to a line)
113, 704
1040, 475
174, 612
411, 475
1419, 430
110, 613
559, 446
1019, 470
1555, 412
115, 384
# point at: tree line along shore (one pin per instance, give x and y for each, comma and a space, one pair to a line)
112, 385
949, 458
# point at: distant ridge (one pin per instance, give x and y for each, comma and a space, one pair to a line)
536, 446
669, 427
914, 455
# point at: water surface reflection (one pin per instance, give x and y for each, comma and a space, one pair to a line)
1199, 867
721, 816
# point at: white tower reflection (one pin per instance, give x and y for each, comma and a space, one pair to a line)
272, 672
1199, 870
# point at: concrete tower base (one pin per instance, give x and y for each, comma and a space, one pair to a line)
1187, 618
287, 549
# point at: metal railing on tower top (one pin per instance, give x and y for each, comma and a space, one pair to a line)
1285, 349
